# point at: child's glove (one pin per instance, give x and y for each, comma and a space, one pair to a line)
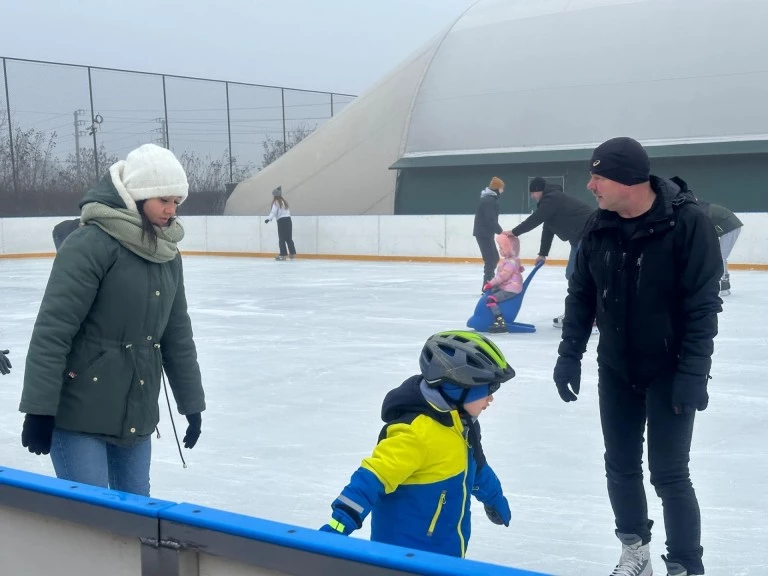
341, 523
487, 286
266, 221
498, 510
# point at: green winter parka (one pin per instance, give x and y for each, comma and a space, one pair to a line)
109, 322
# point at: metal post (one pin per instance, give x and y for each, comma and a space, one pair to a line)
229, 132
285, 141
331, 104
10, 132
93, 127
76, 114
165, 107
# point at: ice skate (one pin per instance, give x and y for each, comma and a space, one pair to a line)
635, 557
725, 286
279, 257
499, 326
558, 322
675, 569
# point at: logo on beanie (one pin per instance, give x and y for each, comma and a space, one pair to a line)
596, 163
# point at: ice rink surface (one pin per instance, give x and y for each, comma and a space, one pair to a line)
297, 356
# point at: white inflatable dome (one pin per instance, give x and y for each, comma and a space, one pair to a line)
536, 75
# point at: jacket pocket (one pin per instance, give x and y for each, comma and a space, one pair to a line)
436, 515
94, 401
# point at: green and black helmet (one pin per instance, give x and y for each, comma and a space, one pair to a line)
463, 358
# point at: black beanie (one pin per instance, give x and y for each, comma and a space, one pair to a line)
537, 184
622, 160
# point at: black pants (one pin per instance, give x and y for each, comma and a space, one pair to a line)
624, 412
490, 256
285, 236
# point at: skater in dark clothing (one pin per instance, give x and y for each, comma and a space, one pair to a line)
728, 227
282, 214
561, 215
64, 229
649, 267
487, 226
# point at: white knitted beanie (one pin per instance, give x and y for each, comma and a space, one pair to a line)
149, 171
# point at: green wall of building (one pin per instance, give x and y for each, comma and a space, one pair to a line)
738, 181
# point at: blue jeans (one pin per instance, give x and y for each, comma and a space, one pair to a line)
91, 460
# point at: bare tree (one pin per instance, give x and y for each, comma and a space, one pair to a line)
274, 147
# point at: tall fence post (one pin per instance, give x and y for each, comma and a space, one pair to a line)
165, 109
331, 104
10, 132
93, 128
229, 132
285, 141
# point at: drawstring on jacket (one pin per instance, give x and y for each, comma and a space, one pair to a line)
156, 346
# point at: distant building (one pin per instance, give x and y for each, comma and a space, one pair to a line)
520, 88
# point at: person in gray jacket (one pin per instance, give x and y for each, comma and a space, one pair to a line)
561, 215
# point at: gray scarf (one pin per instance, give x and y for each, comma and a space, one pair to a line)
125, 226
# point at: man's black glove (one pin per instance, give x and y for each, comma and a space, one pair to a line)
567, 371
193, 430
689, 393
37, 432
5, 364
266, 221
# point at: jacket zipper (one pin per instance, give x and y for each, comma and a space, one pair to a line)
639, 274
440, 504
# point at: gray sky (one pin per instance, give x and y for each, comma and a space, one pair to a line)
334, 45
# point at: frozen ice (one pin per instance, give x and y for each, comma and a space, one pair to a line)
297, 356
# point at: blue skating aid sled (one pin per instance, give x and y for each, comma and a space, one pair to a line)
482, 319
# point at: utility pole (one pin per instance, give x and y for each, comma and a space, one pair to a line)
78, 133
162, 130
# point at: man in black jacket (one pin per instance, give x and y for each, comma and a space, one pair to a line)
487, 226
649, 268
560, 214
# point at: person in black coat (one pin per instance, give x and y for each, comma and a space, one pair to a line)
64, 229
648, 268
487, 226
561, 215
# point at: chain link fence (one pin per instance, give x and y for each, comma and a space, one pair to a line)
62, 126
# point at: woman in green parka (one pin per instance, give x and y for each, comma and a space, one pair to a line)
113, 316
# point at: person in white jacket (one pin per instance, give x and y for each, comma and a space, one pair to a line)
282, 214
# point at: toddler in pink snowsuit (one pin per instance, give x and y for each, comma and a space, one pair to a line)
508, 281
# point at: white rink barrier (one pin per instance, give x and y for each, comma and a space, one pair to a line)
433, 237
51, 526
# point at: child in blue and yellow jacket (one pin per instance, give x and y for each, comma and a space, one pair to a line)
429, 459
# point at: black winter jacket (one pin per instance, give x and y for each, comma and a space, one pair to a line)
487, 215
561, 214
655, 296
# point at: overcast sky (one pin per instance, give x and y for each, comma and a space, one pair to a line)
333, 45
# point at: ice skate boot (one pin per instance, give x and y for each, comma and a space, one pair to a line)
499, 326
675, 569
725, 285
635, 557
279, 257
558, 322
